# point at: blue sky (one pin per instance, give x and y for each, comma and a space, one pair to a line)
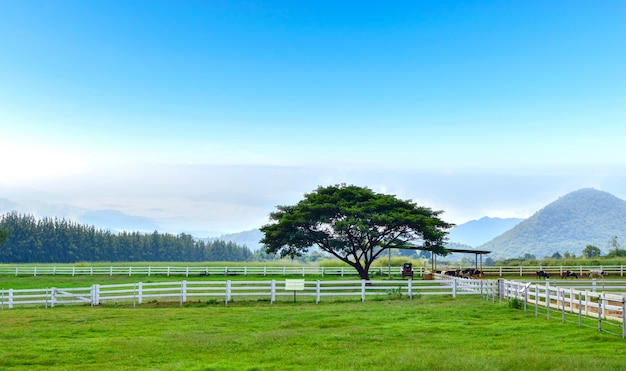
207, 114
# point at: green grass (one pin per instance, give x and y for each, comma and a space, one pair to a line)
429, 333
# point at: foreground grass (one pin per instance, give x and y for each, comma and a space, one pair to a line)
426, 333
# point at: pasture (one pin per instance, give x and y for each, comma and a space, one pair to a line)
425, 333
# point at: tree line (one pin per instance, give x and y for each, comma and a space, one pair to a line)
53, 240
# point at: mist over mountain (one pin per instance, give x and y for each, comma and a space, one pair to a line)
580, 218
111, 220
248, 238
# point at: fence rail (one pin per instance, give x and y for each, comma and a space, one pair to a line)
190, 271
272, 290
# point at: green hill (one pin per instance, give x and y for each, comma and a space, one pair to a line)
581, 218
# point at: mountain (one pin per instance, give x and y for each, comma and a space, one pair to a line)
249, 239
580, 218
477, 232
117, 221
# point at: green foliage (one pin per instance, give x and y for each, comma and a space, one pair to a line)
4, 235
591, 252
394, 293
617, 253
353, 224
51, 240
515, 303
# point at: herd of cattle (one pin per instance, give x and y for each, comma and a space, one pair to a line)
477, 273
463, 273
570, 274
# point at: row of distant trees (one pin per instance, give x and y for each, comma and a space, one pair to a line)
51, 240
589, 252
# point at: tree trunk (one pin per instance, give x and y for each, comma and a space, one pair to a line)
363, 271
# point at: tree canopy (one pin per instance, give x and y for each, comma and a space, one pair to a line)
591, 251
4, 235
354, 224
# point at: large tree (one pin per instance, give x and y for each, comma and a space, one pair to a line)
354, 224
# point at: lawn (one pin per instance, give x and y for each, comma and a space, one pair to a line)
427, 333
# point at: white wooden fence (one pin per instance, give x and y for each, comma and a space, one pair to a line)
228, 291
187, 271
575, 301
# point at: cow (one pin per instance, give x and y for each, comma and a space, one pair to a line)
568, 274
476, 273
597, 273
543, 274
455, 273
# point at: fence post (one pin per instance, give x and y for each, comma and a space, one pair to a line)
536, 300
17, 270
140, 293
362, 290
600, 313
187, 272
548, 301
562, 305
264, 271
500, 288
593, 285
273, 292
303, 272
10, 298
341, 271
318, 292
53, 298
580, 308
73, 271
130, 271
168, 270
526, 298
95, 295
183, 292
110, 270
34, 271
410, 289
454, 287
623, 317
228, 283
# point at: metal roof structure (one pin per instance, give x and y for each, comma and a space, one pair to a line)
462, 251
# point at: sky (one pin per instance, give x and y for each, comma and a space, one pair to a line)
206, 115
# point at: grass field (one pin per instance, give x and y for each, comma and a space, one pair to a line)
429, 333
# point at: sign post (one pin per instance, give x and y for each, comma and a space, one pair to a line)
294, 285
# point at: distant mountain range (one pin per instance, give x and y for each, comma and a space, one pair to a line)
103, 219
569, 224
